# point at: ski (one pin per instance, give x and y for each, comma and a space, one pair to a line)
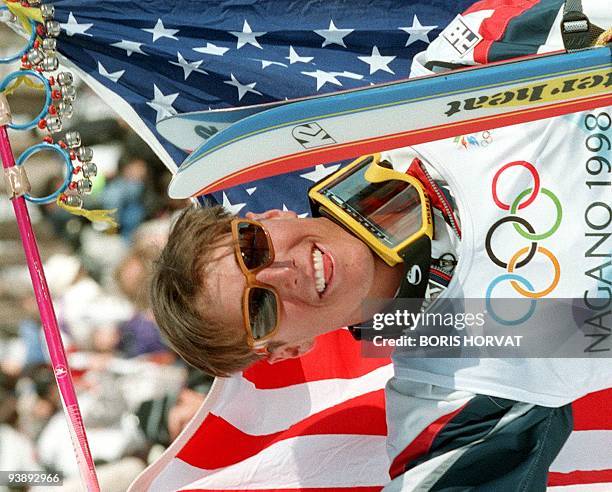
326, 129
189, 130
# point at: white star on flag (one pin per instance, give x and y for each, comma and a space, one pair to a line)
295, 58
212, 49
377, 61
417, 32
266, 63
242, 88
188, 67
333, 35
250, 191
320, 172
114, 76
324, 77
72, 27
233, 208
129, 47
159, 31
162, 104
247, 36
301, 216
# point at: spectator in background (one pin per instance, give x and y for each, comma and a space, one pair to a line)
83, 307
8, 409
30, 332
140, 334
187, 404
130, 192
39, 399
20, 453
163, 419
66, 226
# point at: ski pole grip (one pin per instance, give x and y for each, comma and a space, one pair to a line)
5, 110
15, 178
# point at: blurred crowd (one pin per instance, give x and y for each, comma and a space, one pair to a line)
135, 394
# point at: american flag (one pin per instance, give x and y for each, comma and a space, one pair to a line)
316, 423
154, 59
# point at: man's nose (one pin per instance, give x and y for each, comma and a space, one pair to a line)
280, 274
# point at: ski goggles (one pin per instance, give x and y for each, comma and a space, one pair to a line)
254, 252
386, 209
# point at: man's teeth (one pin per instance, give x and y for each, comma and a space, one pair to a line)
317, 261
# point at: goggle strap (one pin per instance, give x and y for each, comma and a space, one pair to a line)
417, 262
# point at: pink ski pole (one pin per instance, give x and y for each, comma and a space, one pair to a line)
17, 186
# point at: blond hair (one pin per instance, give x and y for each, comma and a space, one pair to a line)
178, 299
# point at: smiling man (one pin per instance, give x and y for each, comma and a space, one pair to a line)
319, 272
229, 291
315, 261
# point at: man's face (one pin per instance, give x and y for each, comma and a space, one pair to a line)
321, 273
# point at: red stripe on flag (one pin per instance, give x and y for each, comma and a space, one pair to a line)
594, 411
580, 477
420, 445
363, 415
495, 4
317, 364
493, 28
482, 5
321, 489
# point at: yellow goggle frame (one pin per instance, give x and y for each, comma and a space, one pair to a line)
375, 173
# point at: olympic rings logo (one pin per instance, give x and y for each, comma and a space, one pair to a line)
524, 255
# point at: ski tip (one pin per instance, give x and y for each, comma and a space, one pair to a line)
177, 188
173, 130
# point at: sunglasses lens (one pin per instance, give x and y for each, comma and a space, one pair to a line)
254, 246
262, 312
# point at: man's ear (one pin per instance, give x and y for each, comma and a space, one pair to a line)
272, 214
289, 351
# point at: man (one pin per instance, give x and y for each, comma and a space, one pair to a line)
454, 424
181, 289
490, 424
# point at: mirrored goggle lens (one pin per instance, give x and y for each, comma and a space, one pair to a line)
396, 209
263, 312
254, 246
